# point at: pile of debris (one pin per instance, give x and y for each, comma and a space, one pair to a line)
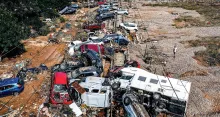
97, 78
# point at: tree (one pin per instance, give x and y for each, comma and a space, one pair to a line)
16, 16
12, 32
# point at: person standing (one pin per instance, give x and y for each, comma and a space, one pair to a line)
174, 51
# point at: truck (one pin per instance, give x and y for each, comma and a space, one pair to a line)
101, 2
98, 93
93, 26
99, 48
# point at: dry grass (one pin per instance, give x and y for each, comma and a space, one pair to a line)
194, 73
211, 12
188, 21
209, 57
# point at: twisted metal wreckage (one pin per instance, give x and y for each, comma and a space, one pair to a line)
100, 79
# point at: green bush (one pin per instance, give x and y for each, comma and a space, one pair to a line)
211, 55
12, 32
44, 30
62, 20
18, 16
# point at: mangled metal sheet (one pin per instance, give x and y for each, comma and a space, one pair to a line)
78, 88
77, 111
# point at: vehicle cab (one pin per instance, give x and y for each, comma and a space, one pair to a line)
101, 2
105, 16
11, 86
105, 5
122, 12
117, 38
82, 72
76, 6
114, 3
124, 79
99, 48
97, 94
129, 26
59, 89
104, 8
93, 26
92, 58
75, 45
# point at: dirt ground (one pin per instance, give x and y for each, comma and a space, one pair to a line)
163, 35
39, 51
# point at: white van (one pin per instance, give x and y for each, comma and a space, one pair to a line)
97, 93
